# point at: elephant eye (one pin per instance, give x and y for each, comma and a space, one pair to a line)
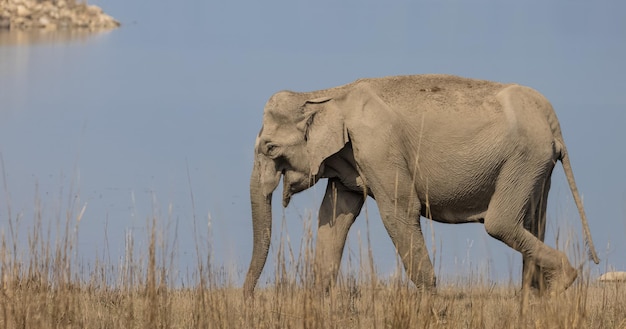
271, 149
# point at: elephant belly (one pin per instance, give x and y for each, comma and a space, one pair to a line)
455, 216
460, 198
456, 185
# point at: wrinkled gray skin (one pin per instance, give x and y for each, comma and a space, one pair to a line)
452, 149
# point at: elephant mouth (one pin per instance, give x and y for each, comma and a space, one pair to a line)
294, 182
286, 197
290, 189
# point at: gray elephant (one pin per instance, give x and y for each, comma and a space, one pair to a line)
452, 149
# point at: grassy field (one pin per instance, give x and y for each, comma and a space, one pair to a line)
45, 286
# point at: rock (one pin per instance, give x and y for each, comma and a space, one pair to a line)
94, 10
5, 22
51, 14
615, 276
22, 11
65, 13
44, 21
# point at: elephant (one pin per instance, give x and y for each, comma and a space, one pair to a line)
452, 149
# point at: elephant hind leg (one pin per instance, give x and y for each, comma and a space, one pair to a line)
509, 208
532, 275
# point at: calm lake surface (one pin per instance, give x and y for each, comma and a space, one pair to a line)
158, 121
127, 131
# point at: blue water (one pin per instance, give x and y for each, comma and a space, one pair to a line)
157, 119
129, 132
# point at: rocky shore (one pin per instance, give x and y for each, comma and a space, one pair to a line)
52, 15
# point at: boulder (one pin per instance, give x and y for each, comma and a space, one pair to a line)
615, 276
22, 11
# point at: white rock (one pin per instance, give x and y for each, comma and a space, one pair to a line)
44, 21
617, 276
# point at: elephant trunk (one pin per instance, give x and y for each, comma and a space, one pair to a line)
261, 226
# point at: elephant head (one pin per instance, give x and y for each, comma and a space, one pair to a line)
299, 132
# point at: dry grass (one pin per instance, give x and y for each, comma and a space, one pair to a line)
44, 284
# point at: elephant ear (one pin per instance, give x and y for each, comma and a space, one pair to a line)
324, 132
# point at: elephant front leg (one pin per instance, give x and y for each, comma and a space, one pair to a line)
339, 209
407, 236
400, 211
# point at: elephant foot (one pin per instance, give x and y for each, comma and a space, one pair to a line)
561, 278
427, 291
427, 286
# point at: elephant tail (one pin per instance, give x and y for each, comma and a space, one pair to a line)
567, 168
